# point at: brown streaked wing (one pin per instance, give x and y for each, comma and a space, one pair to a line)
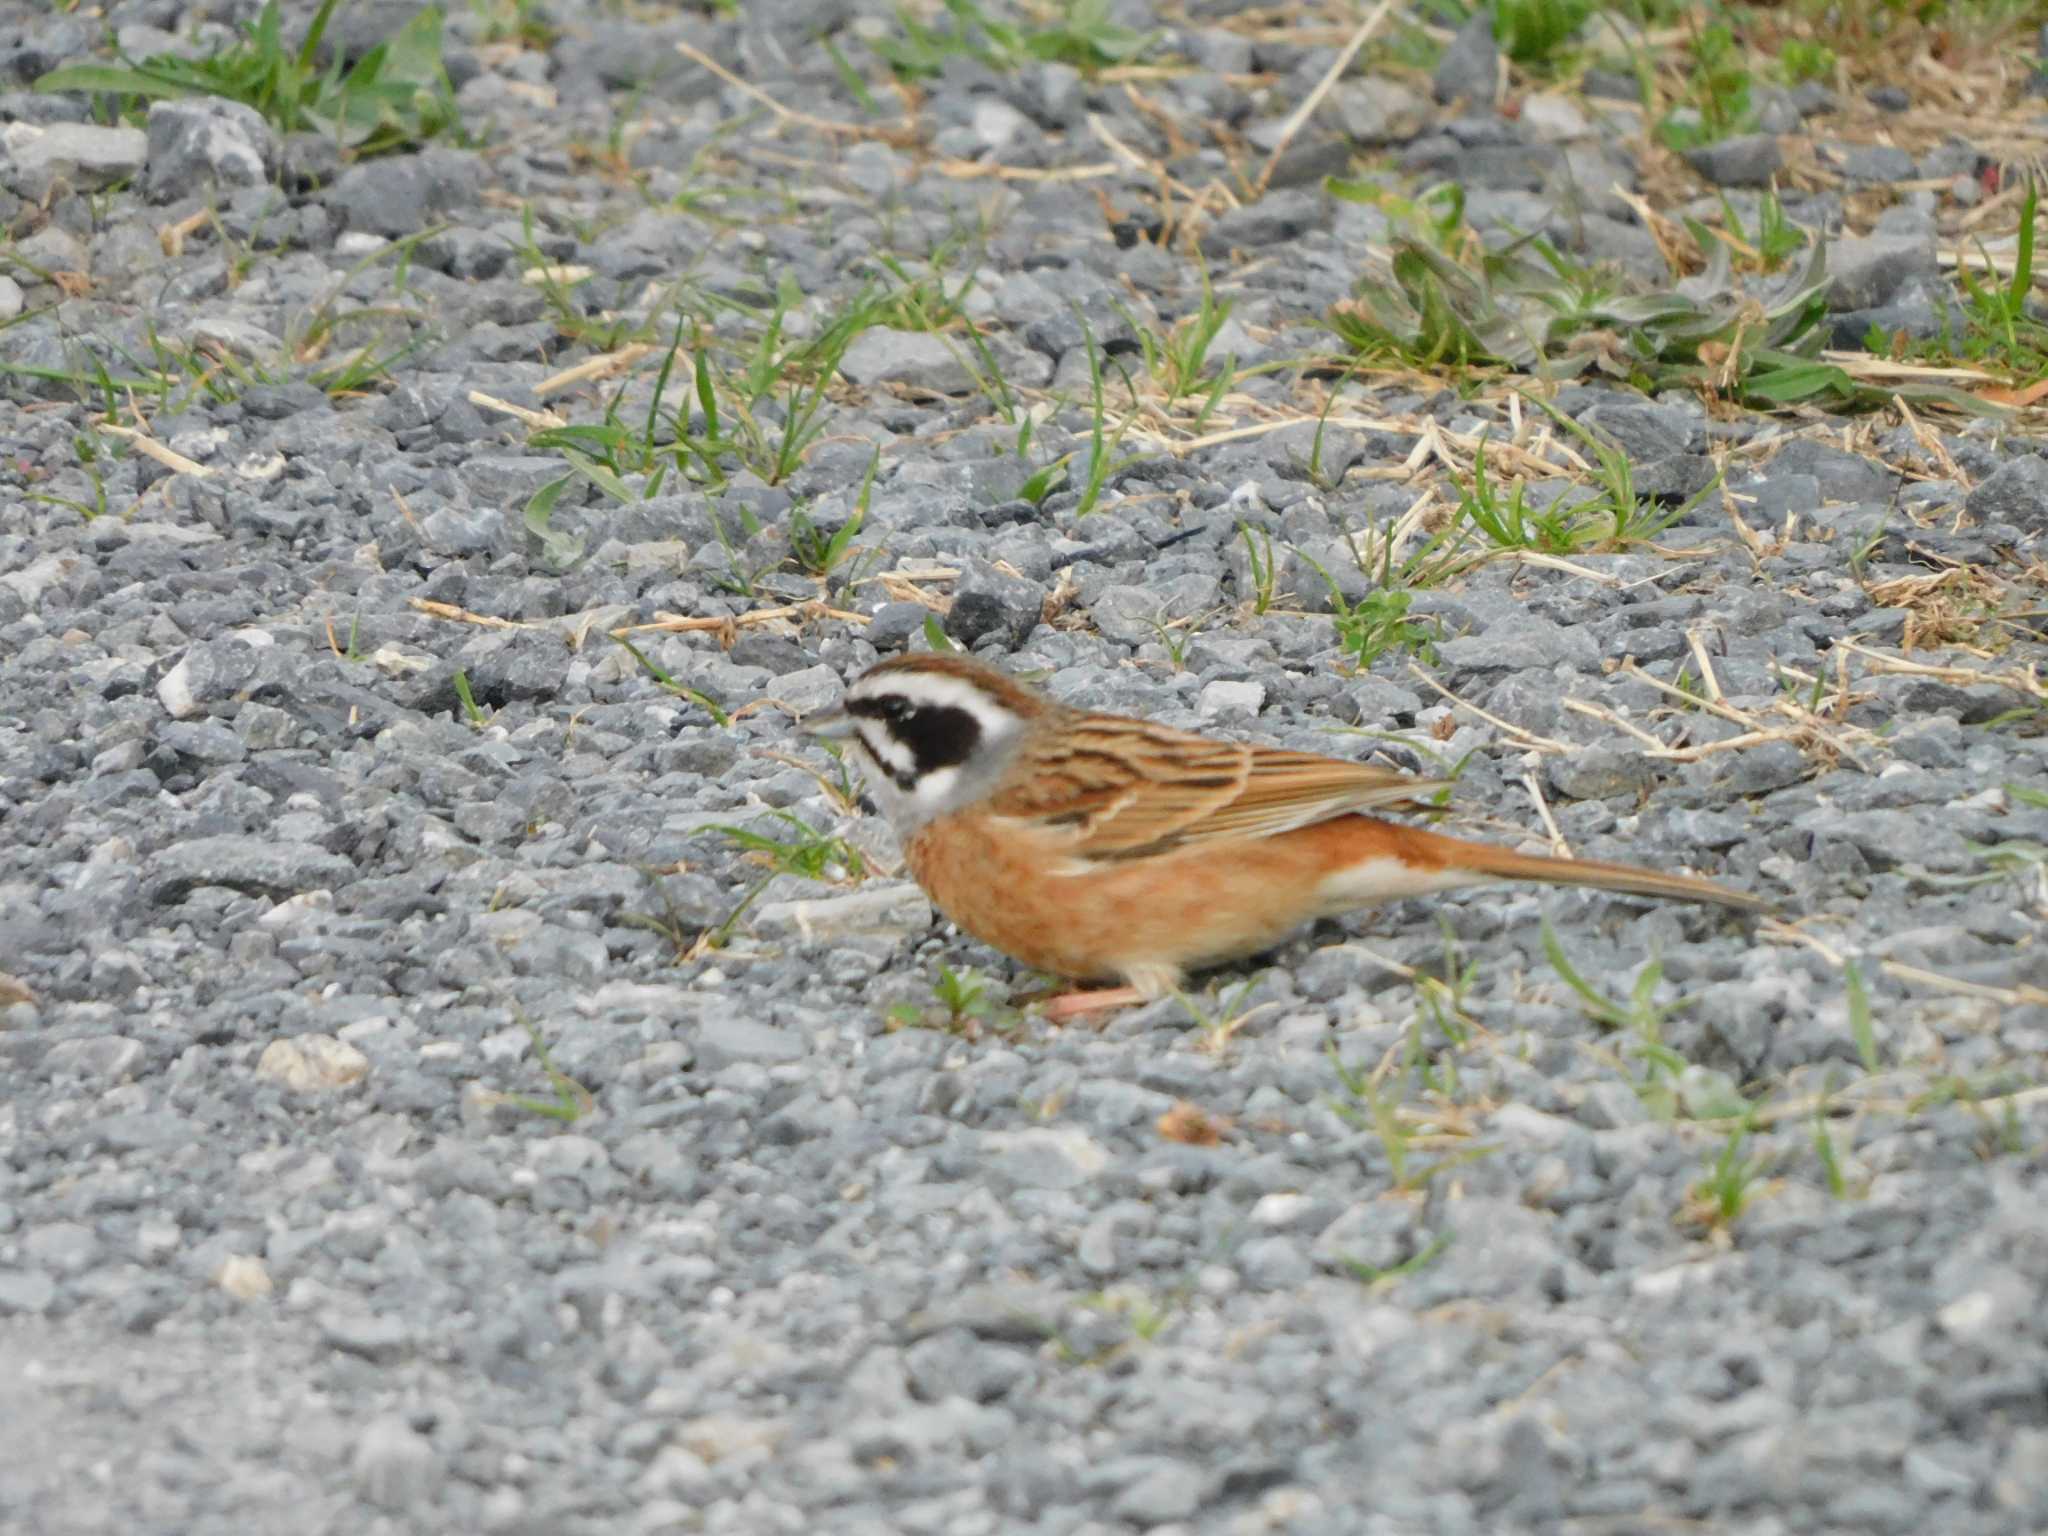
1132, 788
1297, 789
1120, 785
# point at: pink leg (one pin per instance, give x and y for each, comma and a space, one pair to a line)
1075, 1005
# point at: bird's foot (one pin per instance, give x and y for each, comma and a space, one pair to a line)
1069, 1006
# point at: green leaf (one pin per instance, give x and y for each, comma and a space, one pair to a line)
707, 397
1710, 1095
600, 477
112, 78
1796, 381
1045, 481
562, 549
1601, 1008
270, 27
2021, 287
1352, 191
412, 54
598, 436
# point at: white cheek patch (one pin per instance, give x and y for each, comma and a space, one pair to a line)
933, 793
891, 755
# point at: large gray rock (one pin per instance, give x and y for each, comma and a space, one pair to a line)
987, 602
1873, 271
2015, 493
85, 156
207, 144
257, 865
1746, 160
1470, 67
917, 359
402, 194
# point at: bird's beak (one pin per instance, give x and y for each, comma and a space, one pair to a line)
834, 724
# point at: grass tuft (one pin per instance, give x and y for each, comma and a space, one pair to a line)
809, 854
396, 96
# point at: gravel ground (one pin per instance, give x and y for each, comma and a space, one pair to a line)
420, 1112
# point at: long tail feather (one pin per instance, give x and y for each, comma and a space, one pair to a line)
1485, 860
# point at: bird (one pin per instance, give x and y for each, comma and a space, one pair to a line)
1108, 848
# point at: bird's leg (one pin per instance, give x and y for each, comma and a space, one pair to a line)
1145, 983
1075, 1005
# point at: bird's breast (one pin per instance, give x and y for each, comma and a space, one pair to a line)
1026, 890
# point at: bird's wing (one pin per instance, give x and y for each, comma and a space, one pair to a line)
1123, 789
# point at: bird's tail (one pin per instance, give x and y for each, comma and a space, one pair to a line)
1484, 861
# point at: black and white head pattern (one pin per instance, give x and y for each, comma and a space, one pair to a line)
929, 743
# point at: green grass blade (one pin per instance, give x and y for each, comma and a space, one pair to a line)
1860, 1025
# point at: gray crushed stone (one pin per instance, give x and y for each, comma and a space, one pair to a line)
423, 1115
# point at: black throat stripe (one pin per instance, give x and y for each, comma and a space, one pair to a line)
934, 735
904, 779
